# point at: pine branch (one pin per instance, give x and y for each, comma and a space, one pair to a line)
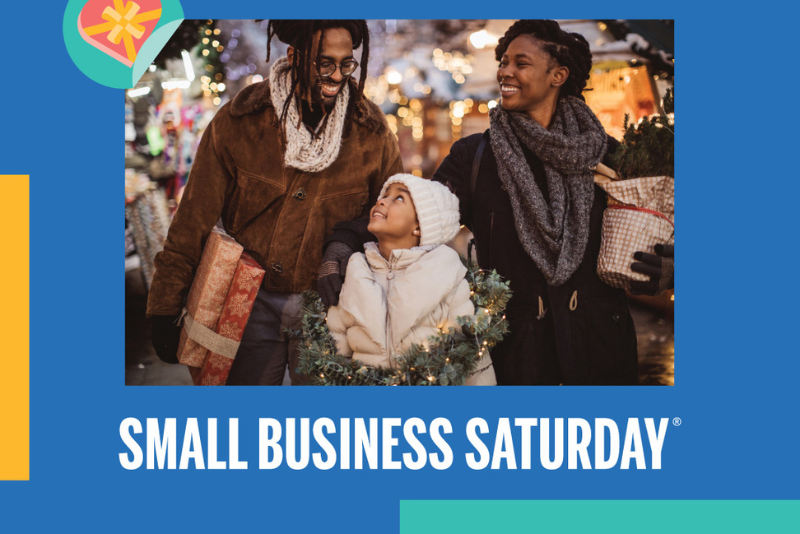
648, 148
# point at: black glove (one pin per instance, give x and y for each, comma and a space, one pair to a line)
166, 335
332, 271
660, 269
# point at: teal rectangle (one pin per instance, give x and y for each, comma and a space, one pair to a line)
598, 517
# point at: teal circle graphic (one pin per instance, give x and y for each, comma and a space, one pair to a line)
102, 67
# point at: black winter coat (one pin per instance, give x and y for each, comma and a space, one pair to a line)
586, 334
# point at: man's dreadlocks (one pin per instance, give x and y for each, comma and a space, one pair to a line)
299, 34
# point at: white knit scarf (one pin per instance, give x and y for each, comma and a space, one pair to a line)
303, 151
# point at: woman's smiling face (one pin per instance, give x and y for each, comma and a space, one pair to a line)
394, 216
526, 75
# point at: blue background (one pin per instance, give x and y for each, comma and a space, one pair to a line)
737, 362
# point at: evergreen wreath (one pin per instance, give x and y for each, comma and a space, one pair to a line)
448, 359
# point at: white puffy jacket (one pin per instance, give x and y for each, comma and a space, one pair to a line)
385, 306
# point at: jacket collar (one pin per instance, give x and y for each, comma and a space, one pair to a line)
256, 97
399, 259
431, 273
252, 98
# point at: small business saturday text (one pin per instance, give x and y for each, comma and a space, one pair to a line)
394, 443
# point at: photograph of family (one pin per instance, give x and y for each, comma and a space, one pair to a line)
402, 202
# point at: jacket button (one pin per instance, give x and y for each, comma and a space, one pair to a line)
277, 267
615, 317
299, 195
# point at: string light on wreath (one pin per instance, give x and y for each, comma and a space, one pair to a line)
444, 359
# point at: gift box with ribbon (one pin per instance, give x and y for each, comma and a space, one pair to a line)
232, 321
119, 28
206, 299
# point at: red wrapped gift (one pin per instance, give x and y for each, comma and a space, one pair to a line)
195, 373
207, 295
233, 319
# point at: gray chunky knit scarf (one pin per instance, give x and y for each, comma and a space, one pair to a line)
554, 235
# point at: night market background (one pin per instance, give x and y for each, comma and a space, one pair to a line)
434, 79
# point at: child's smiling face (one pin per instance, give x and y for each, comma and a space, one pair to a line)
394, 217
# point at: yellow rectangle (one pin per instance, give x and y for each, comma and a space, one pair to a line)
14, 328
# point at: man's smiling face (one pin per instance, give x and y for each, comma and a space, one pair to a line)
337, 47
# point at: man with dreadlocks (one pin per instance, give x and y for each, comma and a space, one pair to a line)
281, 164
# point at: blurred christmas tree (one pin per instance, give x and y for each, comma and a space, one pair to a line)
648, 146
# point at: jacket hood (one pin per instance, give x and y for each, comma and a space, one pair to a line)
256, 97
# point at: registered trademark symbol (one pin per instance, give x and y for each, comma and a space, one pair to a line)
677, 421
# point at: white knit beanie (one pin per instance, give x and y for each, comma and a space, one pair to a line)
437, 208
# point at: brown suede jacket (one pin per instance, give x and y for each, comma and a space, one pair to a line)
280, 215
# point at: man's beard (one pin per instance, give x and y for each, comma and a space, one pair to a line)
327, 102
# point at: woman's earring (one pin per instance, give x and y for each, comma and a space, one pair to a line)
415, 232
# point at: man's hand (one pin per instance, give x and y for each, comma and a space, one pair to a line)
660, 269
166, 335
332, 271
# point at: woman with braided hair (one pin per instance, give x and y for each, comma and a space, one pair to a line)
539, 217
280, 165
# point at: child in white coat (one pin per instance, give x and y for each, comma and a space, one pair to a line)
408, 284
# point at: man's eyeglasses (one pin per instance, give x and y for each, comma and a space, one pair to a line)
327, 68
